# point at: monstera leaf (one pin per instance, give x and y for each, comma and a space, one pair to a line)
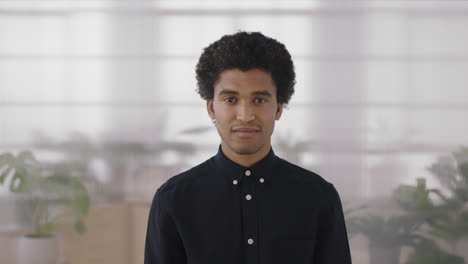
23, 169
26, 175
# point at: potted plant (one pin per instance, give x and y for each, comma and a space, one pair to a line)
452, 173
387, 235
57, 199
416, 199
446, 221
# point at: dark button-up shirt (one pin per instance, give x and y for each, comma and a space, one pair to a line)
220, 212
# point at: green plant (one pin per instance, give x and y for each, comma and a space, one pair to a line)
49, 188
417, 200
389, 232
351, 218
452, 173
427, 252
394, 231
445, 212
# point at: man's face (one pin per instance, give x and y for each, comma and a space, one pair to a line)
245, 108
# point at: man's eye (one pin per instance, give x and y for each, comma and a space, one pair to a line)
260, 100
230, 99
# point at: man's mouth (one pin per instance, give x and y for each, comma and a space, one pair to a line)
245, 132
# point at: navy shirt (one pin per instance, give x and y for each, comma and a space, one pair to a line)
220, 212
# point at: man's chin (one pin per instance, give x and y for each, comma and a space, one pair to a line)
246, 149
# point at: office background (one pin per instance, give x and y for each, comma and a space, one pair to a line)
380, 110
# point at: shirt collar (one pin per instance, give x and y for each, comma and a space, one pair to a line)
236, 172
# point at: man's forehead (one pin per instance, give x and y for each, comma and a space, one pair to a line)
251, 82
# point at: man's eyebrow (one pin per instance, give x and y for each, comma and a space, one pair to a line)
264, 93
227, 91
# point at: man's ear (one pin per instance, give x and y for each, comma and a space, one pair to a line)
210, 108
279, 111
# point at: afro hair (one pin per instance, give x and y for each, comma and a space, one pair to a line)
245, 51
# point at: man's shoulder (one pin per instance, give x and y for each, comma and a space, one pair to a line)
303, 176
298, 172
186, 178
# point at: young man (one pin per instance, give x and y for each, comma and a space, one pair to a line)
245, 205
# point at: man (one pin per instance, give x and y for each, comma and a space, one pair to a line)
245, 205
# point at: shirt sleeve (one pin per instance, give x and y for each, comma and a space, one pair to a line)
163, 243
332, 240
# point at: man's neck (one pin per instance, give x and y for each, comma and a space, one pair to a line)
246, 160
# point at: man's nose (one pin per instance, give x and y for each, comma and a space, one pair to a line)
245, 113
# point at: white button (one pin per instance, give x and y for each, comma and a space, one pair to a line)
234, 182
248, 197
262, 180
247, 173
250, 241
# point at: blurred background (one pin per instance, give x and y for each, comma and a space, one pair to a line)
98, 107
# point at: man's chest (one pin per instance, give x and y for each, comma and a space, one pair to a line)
253, 222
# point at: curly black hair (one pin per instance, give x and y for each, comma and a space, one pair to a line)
245, 51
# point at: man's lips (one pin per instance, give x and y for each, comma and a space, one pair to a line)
245, 132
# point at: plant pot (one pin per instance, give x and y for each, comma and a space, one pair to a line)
38, 249
384, 255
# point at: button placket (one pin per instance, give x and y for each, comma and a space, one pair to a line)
250, 217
